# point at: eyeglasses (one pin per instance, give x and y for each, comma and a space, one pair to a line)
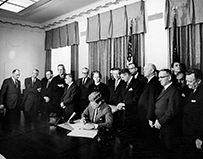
131, 68
163, 76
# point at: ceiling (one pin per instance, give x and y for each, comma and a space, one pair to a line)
45, 10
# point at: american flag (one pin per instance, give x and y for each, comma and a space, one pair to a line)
130, 47
175, 54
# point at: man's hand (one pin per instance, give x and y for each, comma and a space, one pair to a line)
47, 99
83, 120
120, 106
198, 143
151, 124
62, 105
61, 85
157, 125
1, 106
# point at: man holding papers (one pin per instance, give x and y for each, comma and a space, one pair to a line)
98, 113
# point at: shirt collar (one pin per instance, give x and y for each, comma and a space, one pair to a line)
135, 76
129, 80
70, 84
150, 78
165, 87
14, 80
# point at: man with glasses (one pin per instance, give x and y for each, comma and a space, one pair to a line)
83, 83
167, 110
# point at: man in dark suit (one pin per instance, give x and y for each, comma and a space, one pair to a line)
130, 95
146, 105
58, 89
69, 100
116, 87
47, 92
133, 68
167, 109
83, 83
193, 110
31, 96
11, 93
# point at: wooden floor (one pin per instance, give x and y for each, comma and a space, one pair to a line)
22, 138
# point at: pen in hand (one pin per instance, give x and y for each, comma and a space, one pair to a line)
83, 121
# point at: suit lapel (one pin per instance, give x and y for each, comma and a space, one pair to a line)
149, 83
164, 92
193, 94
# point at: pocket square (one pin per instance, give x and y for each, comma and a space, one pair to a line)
193, 101
130, 89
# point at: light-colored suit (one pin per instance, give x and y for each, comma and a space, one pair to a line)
104, 116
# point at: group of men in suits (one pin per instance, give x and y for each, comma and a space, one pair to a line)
164, 111
155, 101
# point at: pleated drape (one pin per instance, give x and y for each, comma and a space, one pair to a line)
108, 35
188, 31
67, 35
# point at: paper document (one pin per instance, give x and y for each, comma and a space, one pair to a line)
68, 126
79, 130
83, 133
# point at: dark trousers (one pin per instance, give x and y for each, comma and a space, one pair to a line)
150, 135
169, 138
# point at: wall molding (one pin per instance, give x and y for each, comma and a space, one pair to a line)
66, 19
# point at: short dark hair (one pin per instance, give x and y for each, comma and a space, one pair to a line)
96, 71
125, 70
50, 71
172, 64
61, 65
198, 73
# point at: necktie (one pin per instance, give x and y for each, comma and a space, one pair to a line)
116, 84
95, 115
83, 81
33, 81
16, 83
47, 84
162, 91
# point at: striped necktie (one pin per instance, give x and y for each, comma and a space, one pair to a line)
95, 115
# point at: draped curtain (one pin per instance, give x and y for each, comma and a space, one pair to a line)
108, 35
187, 33
67, 35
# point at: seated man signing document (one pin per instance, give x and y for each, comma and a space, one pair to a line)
98, 114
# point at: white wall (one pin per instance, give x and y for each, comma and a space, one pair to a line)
156, 36
22, 48
83, 47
